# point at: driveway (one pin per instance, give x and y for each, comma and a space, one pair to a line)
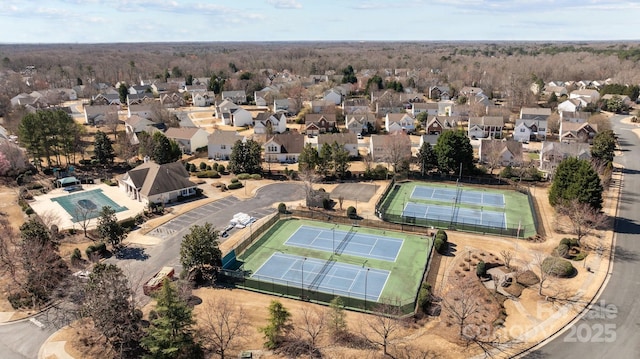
610, 330
150, 259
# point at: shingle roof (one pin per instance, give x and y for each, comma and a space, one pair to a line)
151, 178
183, 133
290, 142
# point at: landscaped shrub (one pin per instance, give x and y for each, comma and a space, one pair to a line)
128, 224
527, 278
29, 211
282, 208
580, 256
352, 212
192, 167
221, 168
235, 185
208, 168
243, 176
99, 249
440, 245
326, 203
557, 267
76, 255
424, 297
208, 174
203, 166
234, 180
256, 176
481, 269
442, 235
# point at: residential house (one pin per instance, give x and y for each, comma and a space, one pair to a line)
284, 147
578, 117
570, 105
359, 105
442, 92
438, 124
268, 123
188, 138
283, 104
447, 108
223, 108
24, 99
552, 153
171, 100
159, 88
260, 98
220, 144
430, 139
381, 147
139, 89
577, 132
334, 96
196, 88
238, 97
505, 153
360, 123
624, 98
97, 114
203, 99
348, 141
317, 123
231, 114
485, 126
431, 108
154, 183
135, 125
394, 122
321, 106
559, 91
469, 91
106, 99
143, 110
179, 82
386, 102
139, 98
535, 113
590, 96
530, 130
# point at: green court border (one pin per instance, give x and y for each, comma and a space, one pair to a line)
405, 274
517, 209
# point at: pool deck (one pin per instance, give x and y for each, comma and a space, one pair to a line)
43, 205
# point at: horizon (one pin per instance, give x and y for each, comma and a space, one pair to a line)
30, 22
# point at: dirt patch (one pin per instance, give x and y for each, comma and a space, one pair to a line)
354, 191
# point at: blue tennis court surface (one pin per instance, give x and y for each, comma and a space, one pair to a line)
455, 214
86, 204
464, 196
351, 242
331, 277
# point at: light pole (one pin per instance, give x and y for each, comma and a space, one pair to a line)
302, 280
366, 276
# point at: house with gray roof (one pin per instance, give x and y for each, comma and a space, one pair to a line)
348, 141
284, 148
505, 153
220, 144
238, 97
154, 183
188, 138
485, 126
97, 114
552, 153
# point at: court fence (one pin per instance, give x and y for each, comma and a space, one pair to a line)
399, 217
392, 307
256, 230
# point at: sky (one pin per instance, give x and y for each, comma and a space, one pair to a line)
108, 21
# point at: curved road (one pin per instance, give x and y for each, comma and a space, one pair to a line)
23, 339
612, 328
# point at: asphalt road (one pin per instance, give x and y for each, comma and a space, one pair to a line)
23, 339
612, 328
143, 262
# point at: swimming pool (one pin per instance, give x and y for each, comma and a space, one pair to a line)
86, 204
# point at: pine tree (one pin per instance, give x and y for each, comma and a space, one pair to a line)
171, 333
279, 324
103, 148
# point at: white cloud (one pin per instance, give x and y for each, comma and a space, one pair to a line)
285, 4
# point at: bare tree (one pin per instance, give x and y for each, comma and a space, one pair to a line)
507, 257
544, 274
223, 324
8, 250
491, 154
381, 328
397, 147
314, 323
583, 219
112, 122
340, 201
84, 216
462, 302
126, 148
50, 219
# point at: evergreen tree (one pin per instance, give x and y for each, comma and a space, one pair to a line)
575, 179
325, 164
123, 91
308, 159
171, 333
348, 75
603, 147
340, 159
103, 148
427, 159
453, 150
199, 250
164, 150
279, 324
108, 303
337, 321
246, 157
109, 229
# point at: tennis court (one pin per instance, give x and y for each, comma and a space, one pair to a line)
86, 204
455, 214
326, 276
459, 194
347, 242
